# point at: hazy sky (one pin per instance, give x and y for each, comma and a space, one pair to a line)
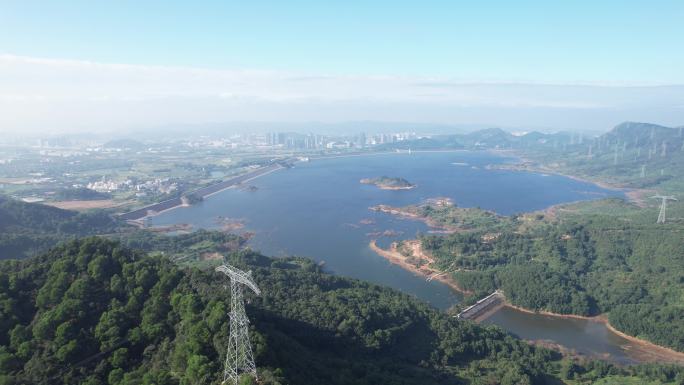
90, 66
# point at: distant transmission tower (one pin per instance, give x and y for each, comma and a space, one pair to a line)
663, 206
239, 358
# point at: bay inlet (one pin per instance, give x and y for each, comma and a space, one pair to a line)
319, 210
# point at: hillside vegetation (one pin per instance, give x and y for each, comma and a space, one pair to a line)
588, 258
93, 312
390, 183
620, 156
591, 258
617, 156
28, 228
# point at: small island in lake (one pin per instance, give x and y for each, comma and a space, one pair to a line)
387, 183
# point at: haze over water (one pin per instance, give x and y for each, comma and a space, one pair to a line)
319, 209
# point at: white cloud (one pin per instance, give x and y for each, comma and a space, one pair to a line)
56, 94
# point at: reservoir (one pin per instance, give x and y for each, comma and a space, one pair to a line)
319, 210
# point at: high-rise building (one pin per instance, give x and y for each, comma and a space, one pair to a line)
361, 140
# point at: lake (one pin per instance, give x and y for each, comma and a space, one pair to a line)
319, 209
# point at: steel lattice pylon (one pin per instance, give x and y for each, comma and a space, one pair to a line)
663, 206
239, 358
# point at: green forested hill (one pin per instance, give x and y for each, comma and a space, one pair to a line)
597, 257
28, 228
94, 312
637, 155
617, 156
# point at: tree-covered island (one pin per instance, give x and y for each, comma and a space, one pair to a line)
388, 183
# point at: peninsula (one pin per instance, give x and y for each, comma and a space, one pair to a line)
443, 214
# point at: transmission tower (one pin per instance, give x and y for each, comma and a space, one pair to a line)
663, 206
239, 358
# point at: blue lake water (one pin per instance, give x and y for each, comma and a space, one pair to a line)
319, 209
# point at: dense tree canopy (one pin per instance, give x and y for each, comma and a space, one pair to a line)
624, 265
28, 228
94, 312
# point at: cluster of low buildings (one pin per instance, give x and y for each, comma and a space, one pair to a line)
157, 185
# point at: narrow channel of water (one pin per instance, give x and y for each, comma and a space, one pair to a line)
577, 335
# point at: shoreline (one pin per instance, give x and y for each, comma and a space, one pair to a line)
395, 257
376, 153
370, 182
395, 188
649, 351
645, 351
140, 222
654, 351
246, 180
633, 195
415, 217
152, 213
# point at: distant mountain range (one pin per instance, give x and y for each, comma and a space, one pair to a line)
633, 133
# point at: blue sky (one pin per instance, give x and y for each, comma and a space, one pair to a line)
75, 65
554, 41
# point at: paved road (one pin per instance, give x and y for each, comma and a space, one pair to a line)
202, 192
